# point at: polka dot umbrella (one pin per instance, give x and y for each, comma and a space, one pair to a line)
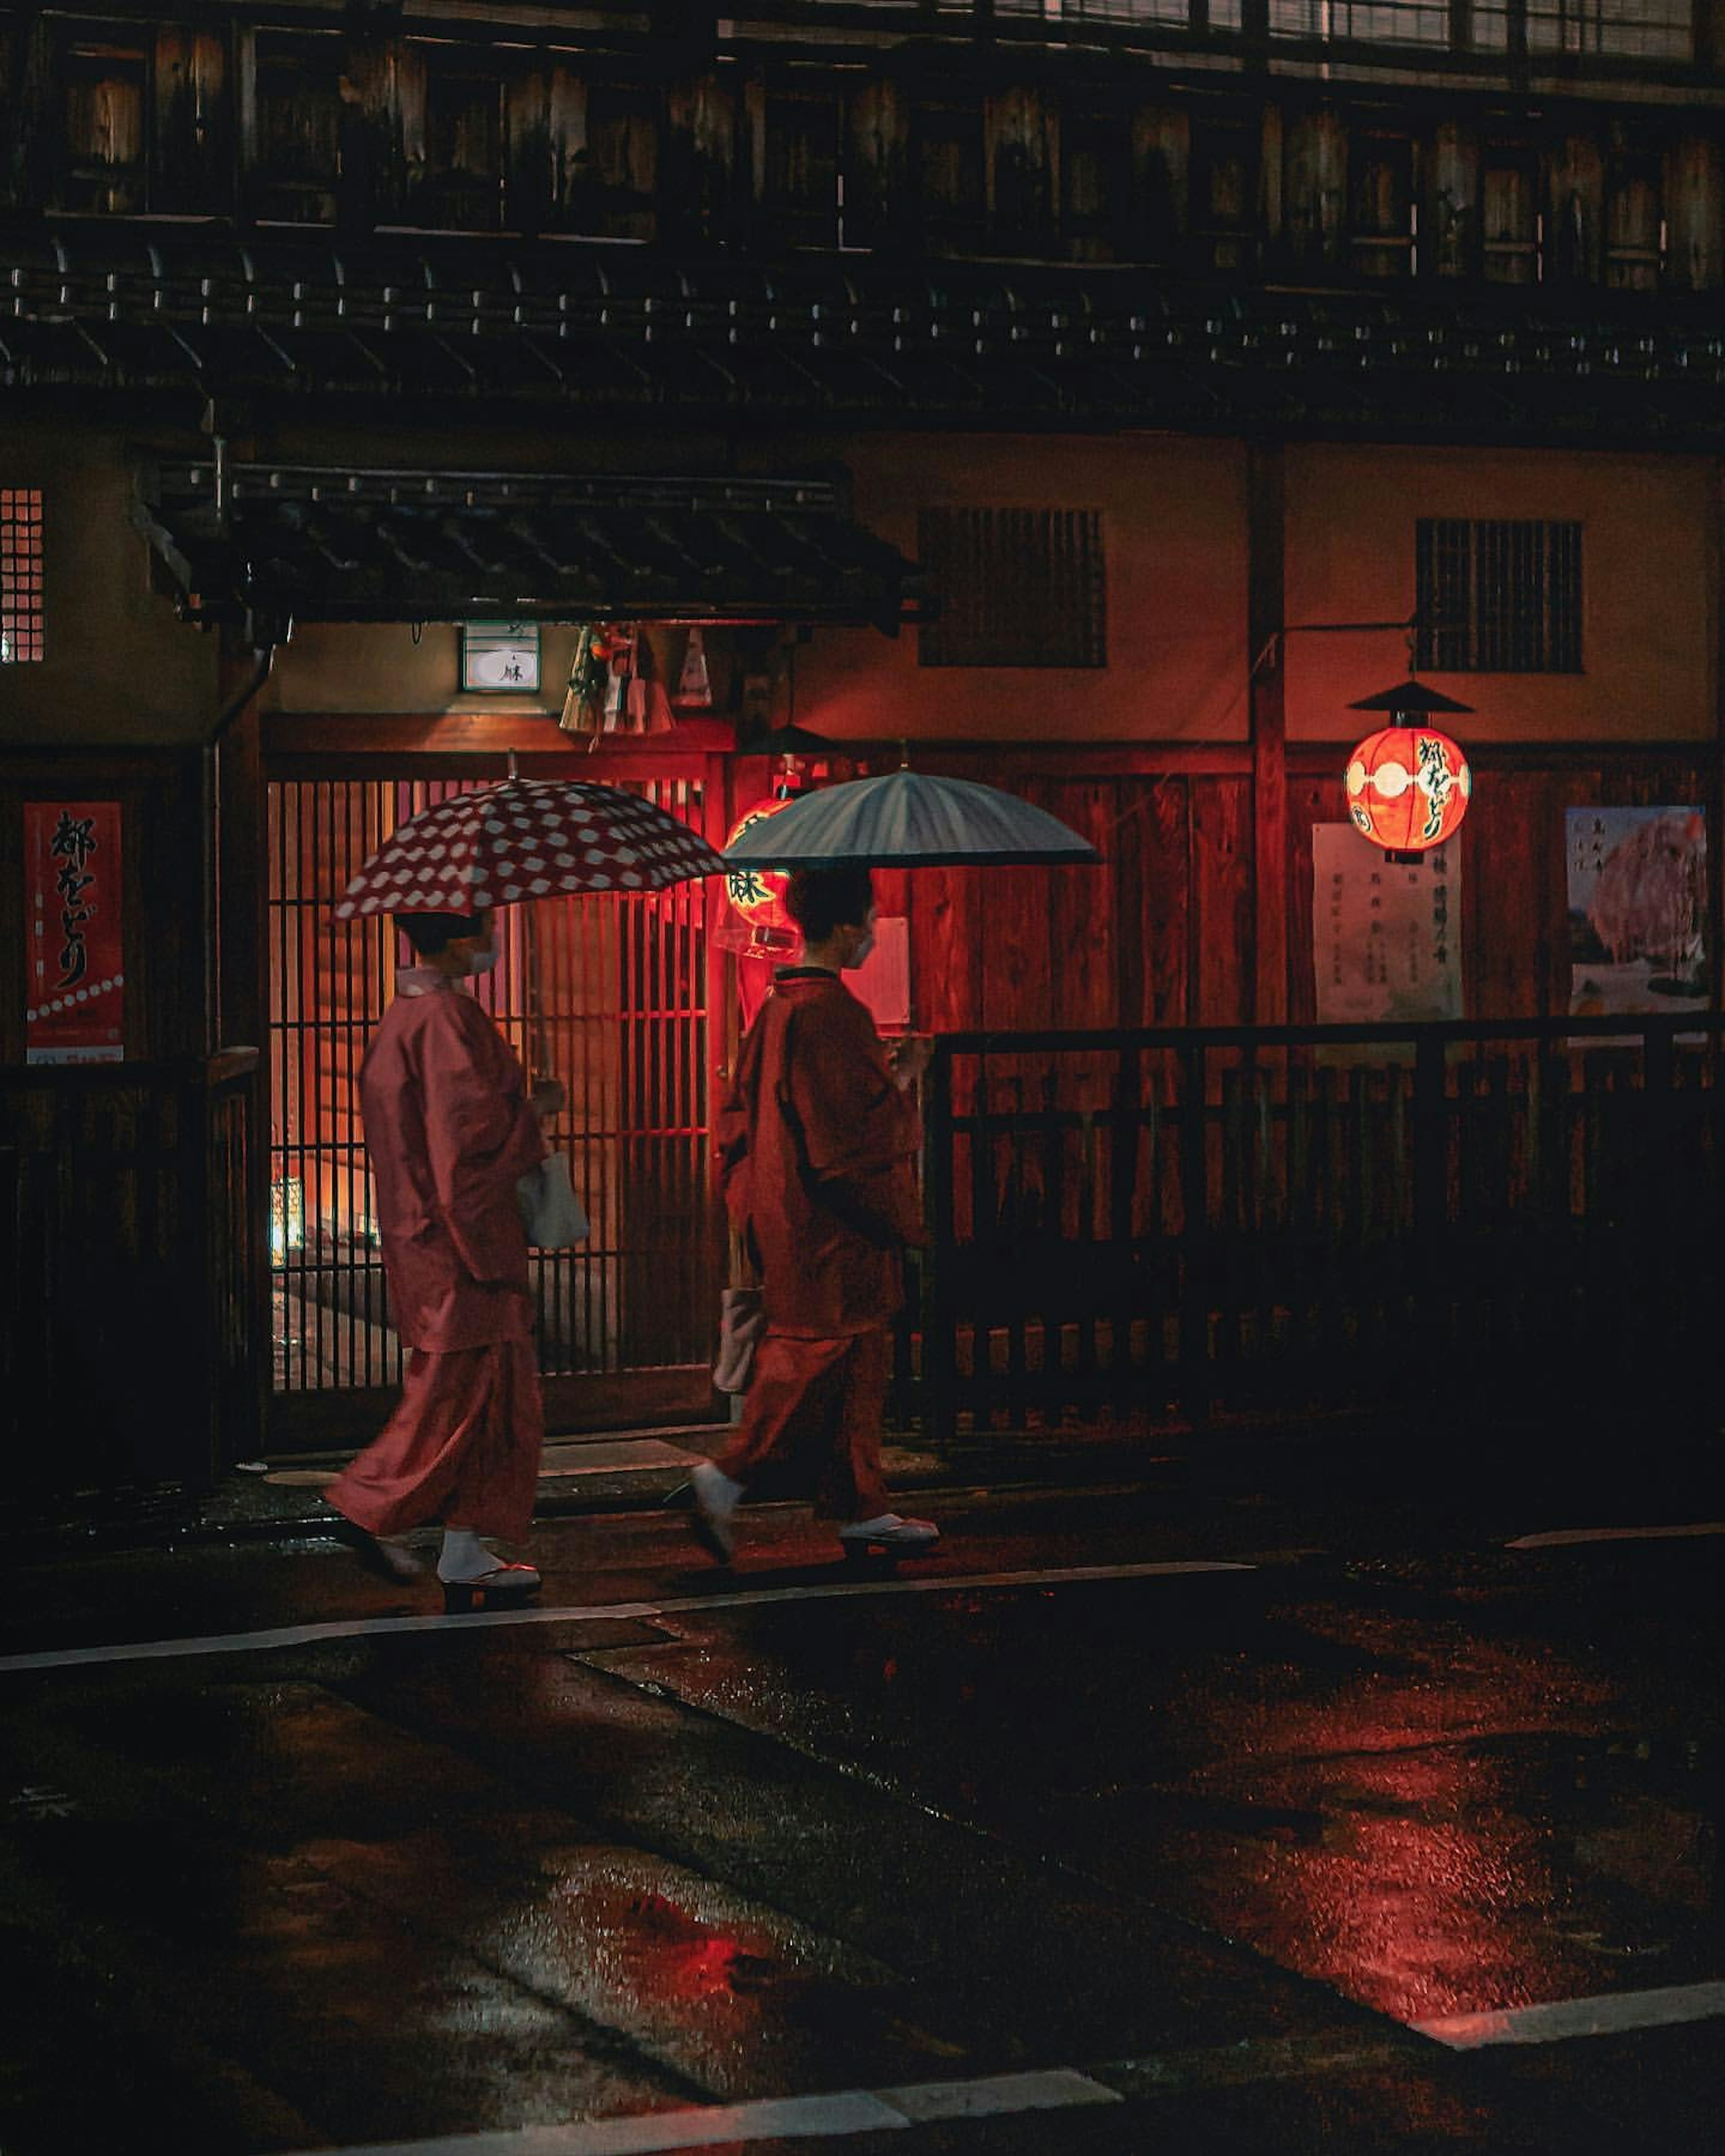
524, 839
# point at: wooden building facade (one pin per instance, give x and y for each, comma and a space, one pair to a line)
1144, 372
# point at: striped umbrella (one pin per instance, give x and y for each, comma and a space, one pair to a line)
907, 819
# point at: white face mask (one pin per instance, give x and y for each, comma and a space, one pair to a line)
860, 956
482, 961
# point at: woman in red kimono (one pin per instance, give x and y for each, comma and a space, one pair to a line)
816, 1142
450, 1131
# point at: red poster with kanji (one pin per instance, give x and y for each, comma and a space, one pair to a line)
75, 980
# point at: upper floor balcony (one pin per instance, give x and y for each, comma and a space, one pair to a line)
1575, 144
1519, 42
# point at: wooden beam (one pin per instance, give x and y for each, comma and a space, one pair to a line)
366, 736
242, 941
1310, 759
532, 736
1715, 797
1265, 600
1710, 35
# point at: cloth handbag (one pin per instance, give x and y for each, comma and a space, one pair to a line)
550, 1212
742, 1321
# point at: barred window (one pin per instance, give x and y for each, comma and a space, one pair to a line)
1501, 597
20, 575
1605, 30
1016, 587
1375, 22
1612, 29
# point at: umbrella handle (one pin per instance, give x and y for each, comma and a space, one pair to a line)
540, 1061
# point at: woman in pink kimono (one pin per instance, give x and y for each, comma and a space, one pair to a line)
450, 1131
817, 1143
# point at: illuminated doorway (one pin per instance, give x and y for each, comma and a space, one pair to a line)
612, 996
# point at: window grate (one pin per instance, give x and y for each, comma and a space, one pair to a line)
21, 619
1605, 30
1017, 587
1498, 597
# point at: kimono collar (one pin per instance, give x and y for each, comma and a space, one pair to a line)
421, 981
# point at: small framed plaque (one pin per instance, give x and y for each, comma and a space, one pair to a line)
500, 658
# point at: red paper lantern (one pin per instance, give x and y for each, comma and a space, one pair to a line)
758, 893
1408, 789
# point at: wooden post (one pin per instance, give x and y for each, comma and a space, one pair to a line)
1266, 544
190, 168
1515, 41
1710, 35
1161, 190
1715, 801
877, 174
1021, 169
700, 154
241, 942
1695, 214
1430, 1158
527, 153
242, 130
1453, 210
1197, 1378
384, 134
28, 166
1577, 212
939, 1315
1314, 189
239, 973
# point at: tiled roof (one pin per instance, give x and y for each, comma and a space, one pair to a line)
344, 544
501, 324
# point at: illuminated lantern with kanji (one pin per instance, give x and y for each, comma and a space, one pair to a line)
758, 894
1408, 789
1409, 785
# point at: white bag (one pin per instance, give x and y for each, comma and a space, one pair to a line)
742, 1320
550, 1212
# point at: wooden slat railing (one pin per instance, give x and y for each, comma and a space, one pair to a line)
1141, 1224
131, 1224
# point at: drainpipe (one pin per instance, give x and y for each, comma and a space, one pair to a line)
211, 827
264, 633
265, 656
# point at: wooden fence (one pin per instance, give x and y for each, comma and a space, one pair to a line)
1133, 1225
134, 1358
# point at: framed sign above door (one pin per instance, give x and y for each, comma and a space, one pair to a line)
500, 658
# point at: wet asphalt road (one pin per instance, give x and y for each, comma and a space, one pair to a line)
1216, 1841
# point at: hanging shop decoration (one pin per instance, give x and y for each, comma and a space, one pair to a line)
1409, 785
630, 678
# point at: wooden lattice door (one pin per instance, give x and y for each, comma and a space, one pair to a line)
613, 993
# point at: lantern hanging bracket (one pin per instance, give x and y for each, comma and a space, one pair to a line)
1409, 628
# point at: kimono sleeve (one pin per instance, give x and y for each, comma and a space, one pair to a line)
731, 1125
480, 1133
859, 1131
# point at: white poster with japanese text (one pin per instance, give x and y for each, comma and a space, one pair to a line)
1386, 938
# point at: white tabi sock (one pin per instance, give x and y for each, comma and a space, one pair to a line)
464, 1556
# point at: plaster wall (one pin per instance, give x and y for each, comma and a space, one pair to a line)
1650, 581
1174, 538
119, 669
383, 666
